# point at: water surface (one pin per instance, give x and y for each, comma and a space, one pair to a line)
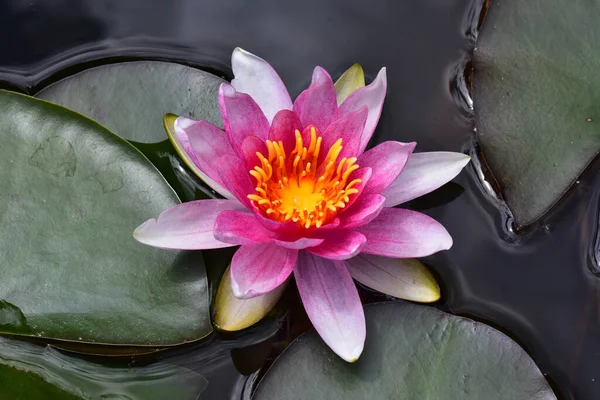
536, 285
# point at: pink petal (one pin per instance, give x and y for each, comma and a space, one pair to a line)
403, 234
256, 77
364, 210
241, 117
349, 128
423, 173
332, 304
283, 129
291, 235
290, 230
317, 105
236, 177
250, 146
203, 142
258, 269
299, 244
240, 227
186, 226
387, 161
339, 244
371, 96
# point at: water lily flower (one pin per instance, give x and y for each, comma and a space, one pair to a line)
302, 196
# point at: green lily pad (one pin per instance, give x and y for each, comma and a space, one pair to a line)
21, 385
131, 98
29, 372
536, 93
71, 194
411, 352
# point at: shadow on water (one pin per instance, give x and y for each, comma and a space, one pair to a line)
536, 285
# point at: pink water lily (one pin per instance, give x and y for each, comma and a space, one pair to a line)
302, 194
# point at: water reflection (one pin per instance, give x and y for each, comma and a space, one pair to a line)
154, 382
29, 24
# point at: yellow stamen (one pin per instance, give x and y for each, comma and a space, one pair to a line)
297, 187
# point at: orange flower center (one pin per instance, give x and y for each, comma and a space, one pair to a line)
297, 187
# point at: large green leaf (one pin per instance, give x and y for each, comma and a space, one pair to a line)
131, 98
536, 92
29, 372
22, 385
71, 194
411, 352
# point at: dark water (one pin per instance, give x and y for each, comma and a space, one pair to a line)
535, 285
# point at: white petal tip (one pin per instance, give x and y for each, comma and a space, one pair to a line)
354, 354
429, 292
138, 233
447, 244
237, 291
443, 245
183, 123
240, 57
432, 296
227, 90
242, 51
241, 294
459, 161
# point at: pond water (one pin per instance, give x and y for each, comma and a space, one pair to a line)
534, 285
